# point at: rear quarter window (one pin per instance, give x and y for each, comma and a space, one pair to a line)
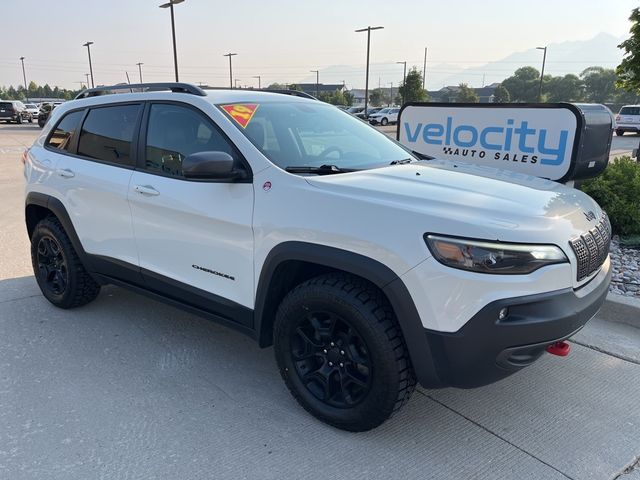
60, 137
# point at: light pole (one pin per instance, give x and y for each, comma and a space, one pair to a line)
544, 59
139, 64
404, 78
170, 5
88, 45
424, 69
259, 81
317, 72
230, 68
24, 77
366, 84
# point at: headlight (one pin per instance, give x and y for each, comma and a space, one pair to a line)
492, 257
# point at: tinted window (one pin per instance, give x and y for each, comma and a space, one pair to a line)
175, 132
630, 111
6, 105
107, 133
61, 136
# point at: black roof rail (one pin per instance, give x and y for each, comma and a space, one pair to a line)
294, 93
175, 87
283, 91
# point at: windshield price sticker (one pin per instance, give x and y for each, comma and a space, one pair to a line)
242, 113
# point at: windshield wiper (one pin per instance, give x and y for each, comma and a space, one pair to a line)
422, 156
401, 162
321, 170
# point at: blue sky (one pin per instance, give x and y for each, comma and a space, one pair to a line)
283, 40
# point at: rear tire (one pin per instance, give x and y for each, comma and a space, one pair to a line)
59, 272
619, 133
19, 120
341, 353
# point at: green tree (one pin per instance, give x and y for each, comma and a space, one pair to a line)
411, 89
501, 95
334, 98
569, 88
629, 69
466, 94
599, 84
348, 96
277, 86
523, 85
378, 97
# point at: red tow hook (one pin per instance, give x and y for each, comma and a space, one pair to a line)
561, 349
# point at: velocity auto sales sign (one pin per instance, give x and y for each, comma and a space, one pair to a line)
530, 139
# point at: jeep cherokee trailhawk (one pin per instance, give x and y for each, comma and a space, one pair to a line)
367, 266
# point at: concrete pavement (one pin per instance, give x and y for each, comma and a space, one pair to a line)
130, 388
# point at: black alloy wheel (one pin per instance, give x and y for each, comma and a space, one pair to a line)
331, 359
52, 265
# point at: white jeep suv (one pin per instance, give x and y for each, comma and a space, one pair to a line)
365, 265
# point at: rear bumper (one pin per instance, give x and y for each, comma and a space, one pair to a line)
487, 349
628, 128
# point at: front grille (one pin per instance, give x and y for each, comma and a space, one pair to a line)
592, 247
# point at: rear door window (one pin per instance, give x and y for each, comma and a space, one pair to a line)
60, 137
107, 134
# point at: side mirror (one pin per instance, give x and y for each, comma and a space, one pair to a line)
211, 166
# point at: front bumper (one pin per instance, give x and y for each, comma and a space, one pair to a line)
487, 349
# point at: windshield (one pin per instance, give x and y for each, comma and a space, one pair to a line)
313, 134
30, 105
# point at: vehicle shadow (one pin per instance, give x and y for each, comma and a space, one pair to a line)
130, 379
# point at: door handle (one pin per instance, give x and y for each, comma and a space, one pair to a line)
65, 173
146, 190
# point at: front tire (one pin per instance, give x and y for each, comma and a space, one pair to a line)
619, 133
59, 272
384, 121
341, 353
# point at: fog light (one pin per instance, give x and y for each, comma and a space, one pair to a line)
503, 313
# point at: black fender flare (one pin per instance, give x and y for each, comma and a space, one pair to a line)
372, 270
56, 207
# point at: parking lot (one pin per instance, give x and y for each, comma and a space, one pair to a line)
126, 387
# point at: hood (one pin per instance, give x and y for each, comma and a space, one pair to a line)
473, 201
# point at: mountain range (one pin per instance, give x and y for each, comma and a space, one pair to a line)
562, 58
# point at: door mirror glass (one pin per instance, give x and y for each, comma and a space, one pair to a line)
210, 165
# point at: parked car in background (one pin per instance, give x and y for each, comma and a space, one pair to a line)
44, 113
14, 111
370, 111
628, 120
384, 116
355, 110
33, 109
